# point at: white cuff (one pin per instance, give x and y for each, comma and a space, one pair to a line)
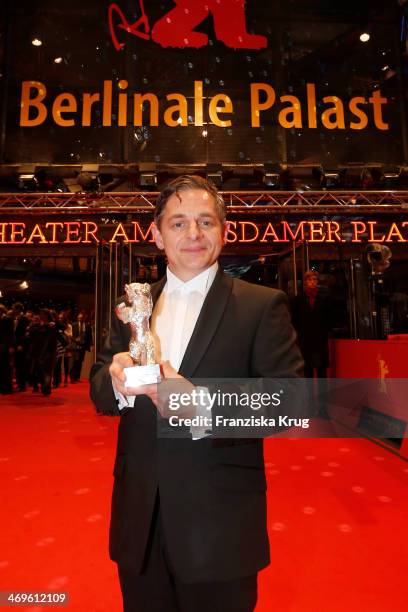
203, 411
124, 401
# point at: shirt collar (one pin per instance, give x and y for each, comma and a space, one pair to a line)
200, 283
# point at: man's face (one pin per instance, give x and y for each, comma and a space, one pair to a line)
311, 282
190, 233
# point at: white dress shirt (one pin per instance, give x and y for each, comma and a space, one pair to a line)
173, 321
176, 312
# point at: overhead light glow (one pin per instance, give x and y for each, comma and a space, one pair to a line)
364, 37
36, 42
24, 285
58, 60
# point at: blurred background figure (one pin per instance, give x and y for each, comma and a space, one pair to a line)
6, 351
64, 348
82, 342
21, 323
311, 319
42, 351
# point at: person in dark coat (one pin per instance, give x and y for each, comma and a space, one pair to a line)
6, 351
64, 339
82, 342
311, 319
21, 323
42, 351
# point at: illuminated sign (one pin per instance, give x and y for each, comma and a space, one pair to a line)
240, 232
176, 27
67, 110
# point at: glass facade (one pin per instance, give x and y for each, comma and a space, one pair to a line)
313, 94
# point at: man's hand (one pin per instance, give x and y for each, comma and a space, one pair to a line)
173, 383
168, 371
116, 370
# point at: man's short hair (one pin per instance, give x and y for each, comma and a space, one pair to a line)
182, 183
311, 274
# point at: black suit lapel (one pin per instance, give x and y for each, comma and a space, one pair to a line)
207, 323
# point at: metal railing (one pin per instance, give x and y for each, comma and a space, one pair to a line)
296, 200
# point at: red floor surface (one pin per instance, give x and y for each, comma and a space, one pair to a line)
337, 513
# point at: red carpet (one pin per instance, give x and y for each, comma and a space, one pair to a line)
337, 513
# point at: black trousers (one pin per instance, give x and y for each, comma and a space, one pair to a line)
157, 589
63, 359
317, 390
78, 358
20, 365
6, 373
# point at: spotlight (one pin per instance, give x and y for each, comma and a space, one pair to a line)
304, 178
24, 285
214, 174
88, 178
148, 176
353, 176
27, 180
330, 178
271, 177
57, 60
364, 37
148, 179
390, 176
70, 185
36, 42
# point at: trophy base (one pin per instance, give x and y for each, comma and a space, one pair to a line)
137, 376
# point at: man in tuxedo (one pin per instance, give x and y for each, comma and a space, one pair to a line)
188, 524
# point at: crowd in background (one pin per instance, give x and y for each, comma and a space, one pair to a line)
41, 349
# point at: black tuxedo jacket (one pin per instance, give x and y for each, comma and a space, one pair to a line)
212, 492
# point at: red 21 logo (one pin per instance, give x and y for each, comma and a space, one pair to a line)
176, 28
